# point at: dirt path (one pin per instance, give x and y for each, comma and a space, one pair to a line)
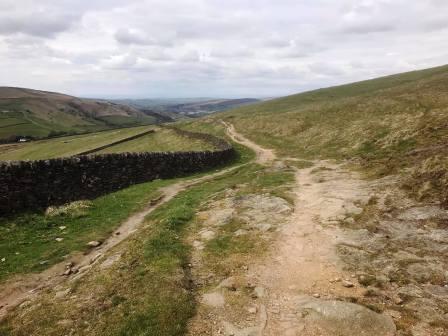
300, 286
263, 156
21, 288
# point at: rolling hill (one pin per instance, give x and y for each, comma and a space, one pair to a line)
26, 112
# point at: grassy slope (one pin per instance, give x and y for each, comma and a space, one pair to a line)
164, 140
391, 123
34, 113
161, 140
64, 146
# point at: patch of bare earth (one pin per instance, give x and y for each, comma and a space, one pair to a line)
299, 287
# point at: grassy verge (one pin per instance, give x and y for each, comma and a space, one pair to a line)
32, 242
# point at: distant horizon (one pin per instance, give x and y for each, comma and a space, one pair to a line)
267, 97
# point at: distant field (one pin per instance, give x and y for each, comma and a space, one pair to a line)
161, 140
128, 121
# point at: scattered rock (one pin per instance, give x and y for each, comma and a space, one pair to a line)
240, 232
258, 292
366, 280
398, 300
347, 284
207, 235
252, 310
65, 323
409, 292
93, 243
423, 213
349, 220
62, 227
67, 272
352, 209
62, 293
59, 239
344, 318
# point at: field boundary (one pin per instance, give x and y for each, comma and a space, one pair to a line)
133, 137
27, 185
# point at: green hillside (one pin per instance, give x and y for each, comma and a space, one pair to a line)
26, 112
393, 124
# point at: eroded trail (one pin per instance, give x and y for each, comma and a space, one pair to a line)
300, 287
263, 155
22, 288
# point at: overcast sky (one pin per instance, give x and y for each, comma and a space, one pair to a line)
214, 48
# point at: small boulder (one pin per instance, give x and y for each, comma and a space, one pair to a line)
347, 284
93, 243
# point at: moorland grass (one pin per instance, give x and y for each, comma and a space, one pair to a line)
395, 124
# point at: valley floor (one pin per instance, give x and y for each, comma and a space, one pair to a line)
276, 247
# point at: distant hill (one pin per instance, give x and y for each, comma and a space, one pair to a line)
26, 112
209, 106
177, 108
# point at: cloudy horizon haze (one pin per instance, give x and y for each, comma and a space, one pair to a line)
211, 48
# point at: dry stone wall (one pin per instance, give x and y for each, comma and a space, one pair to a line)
26, 185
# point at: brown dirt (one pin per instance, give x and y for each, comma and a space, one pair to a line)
302, 263
263, 156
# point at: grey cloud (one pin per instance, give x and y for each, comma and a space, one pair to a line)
201, 47
36, 24
368, 27
127, 36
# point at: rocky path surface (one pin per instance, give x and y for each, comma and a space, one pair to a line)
300, 287
22, 288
